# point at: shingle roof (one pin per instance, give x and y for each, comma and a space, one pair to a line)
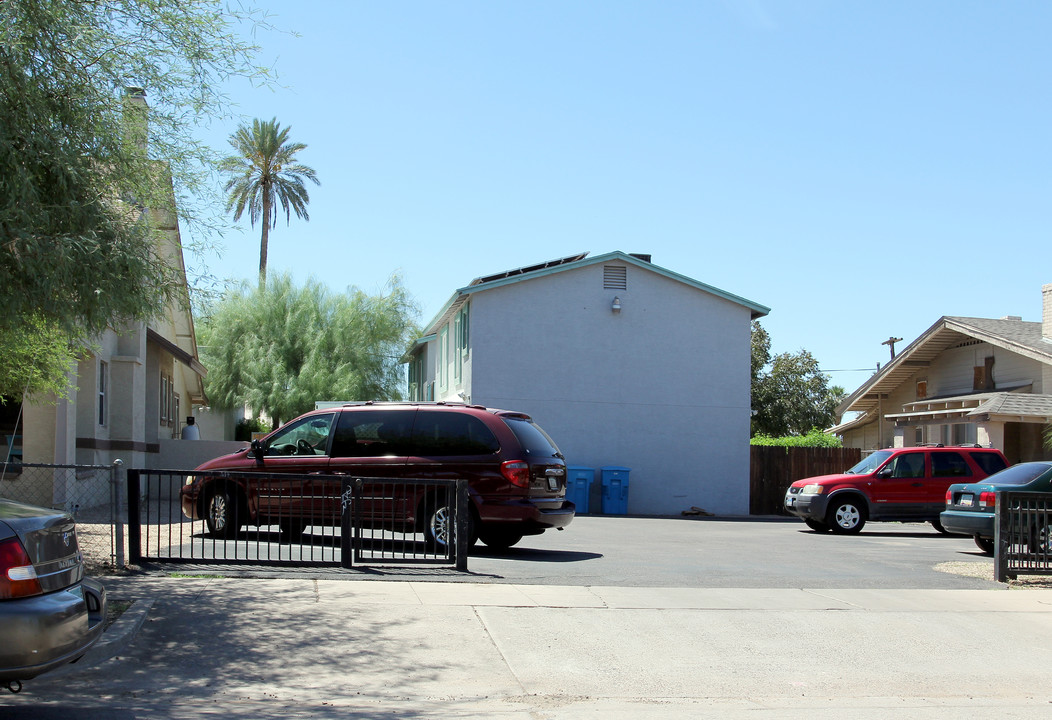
1012, 334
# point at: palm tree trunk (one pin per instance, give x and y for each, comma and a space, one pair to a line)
263, 241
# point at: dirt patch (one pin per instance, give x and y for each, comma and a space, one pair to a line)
985, 571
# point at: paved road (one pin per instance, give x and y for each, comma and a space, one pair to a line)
653, 619
709, 552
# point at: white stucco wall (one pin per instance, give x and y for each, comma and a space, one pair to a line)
661, 388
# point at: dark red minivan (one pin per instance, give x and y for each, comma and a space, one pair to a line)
516, 474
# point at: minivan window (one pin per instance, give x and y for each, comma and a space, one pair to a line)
309, 436
535, 442
372, 433
447, 433
949, 464
990, 462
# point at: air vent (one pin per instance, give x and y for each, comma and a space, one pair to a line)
615, 277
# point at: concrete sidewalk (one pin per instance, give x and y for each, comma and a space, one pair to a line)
305, 648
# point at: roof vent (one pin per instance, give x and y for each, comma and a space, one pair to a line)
641, 256
615, 277
1012, 317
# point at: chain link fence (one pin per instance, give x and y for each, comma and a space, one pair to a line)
92, 494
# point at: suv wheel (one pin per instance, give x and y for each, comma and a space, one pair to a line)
819, 527
846, 516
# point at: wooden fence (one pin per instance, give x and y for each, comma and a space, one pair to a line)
774, 469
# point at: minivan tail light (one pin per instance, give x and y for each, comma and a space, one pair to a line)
516, 472
18, 577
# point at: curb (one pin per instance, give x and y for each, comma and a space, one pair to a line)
117, 637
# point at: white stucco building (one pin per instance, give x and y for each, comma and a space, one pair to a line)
623, 362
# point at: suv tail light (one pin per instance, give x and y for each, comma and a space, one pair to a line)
18, 577
516, 472
987, 499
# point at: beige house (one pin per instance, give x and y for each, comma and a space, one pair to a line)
134, 386
965, 380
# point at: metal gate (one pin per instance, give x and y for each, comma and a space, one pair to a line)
1022, 535
296, 520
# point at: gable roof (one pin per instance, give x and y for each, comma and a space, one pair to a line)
574, 262
1013, 334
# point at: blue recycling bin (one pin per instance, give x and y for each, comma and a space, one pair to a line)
579, 486
615, 489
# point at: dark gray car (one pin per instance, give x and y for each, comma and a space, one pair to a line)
50, 614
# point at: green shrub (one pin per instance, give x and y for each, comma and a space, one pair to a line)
245, 427
815, 438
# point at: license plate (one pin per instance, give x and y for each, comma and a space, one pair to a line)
790, 501
553, 483
967, 500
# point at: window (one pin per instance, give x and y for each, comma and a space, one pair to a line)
165, 400
988, 461
309, 436
372, 433
460, 341
443, 358
922, 389
439, 434
949, 464
910, 465
103, 381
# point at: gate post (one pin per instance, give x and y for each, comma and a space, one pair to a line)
346, 495
117, 536
463, 525
134, 523
1001, 539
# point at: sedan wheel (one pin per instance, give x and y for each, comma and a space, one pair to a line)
846, 517
984, 544
1041, 543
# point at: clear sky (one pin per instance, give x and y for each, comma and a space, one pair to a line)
861, 168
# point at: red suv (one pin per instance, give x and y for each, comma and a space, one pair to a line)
516, 474
898, 484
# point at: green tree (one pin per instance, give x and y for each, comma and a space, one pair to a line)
77, 247
281, 348
265, 175
790, 395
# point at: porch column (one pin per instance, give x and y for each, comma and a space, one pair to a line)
899, 436
990, 434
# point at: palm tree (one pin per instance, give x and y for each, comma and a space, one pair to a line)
265, 174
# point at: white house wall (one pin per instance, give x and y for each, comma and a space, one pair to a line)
662, 387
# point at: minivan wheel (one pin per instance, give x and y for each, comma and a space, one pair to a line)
499, 538
292, 528
438, 525
222, 514
984, 544
846, 517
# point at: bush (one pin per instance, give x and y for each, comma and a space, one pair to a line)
244, 428
815, 438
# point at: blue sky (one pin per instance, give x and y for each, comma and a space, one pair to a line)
860, 168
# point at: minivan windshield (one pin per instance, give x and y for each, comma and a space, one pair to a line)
870, 463
535, 442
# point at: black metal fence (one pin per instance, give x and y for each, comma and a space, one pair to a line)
90, 493
292, 519
1022, 535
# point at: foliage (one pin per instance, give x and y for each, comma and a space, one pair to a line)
77, 245
814, 438
264, 175
36, 356
282, 348
790, 395
246, 426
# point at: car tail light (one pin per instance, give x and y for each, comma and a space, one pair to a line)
987, 499
949, 498
18, 577
516, 472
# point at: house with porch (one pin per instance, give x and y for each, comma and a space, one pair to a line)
623, 362
131, 391
964, 380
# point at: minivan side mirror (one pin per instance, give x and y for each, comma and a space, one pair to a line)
258, 451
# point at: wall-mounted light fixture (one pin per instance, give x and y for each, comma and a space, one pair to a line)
616, 305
